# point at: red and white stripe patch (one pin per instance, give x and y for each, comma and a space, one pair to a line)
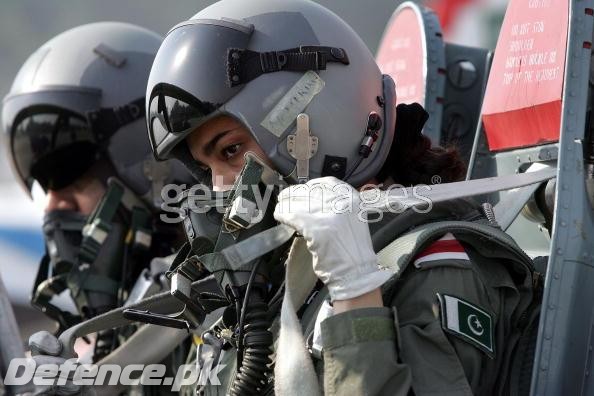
444, 248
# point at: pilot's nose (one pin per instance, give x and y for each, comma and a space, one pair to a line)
223, 181
60, 200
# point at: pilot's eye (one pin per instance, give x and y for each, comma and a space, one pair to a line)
230, 151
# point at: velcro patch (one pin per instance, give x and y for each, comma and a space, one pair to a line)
468, 322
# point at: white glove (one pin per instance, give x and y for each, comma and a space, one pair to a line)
326, 211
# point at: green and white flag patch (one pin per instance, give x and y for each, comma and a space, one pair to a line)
467, 321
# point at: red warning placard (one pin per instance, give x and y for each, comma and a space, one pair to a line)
401, 55
522, 105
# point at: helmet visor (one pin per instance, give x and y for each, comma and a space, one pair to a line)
175, 111
52, 146
189, 80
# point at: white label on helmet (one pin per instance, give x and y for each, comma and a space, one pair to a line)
293, 103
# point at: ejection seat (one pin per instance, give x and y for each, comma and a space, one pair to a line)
535, 114
447, 79
520, 119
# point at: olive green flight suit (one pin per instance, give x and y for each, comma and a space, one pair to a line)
388, 351
405, 345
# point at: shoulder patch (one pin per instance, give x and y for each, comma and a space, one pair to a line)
468, 322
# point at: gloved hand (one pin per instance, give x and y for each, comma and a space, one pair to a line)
46, 349
326, 211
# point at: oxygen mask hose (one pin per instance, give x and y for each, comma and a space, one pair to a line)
254, 342
253, 338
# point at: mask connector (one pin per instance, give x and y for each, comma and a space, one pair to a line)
242, 214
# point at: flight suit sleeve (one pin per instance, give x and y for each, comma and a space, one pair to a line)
403, 347
360, 354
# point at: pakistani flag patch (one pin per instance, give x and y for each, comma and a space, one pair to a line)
467, 321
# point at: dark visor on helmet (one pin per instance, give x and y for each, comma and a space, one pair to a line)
189, 80
175, 111
52, 146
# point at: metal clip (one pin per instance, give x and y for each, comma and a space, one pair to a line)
302, 146
242, 214
181, 288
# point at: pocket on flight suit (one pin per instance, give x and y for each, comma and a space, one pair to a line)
435, 366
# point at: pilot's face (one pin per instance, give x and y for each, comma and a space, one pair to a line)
220, 145
81, 196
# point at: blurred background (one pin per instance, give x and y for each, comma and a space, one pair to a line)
26, 24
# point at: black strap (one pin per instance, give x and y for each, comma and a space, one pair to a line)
182, 254
105, 122
245, 65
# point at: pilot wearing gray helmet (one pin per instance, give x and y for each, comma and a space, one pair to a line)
73, 124
244, 90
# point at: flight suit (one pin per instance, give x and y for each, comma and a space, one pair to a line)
388, 350
414, 342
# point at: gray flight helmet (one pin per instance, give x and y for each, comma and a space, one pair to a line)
80, 97
264, 62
